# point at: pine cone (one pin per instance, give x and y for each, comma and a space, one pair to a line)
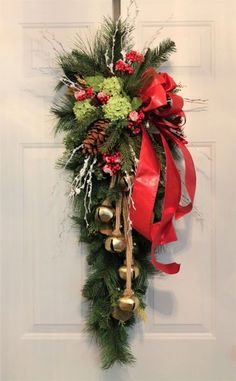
95, 137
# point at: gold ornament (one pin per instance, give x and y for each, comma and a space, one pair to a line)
115, 243
118, 314
104, 213
128, 303
126, 182
134, 272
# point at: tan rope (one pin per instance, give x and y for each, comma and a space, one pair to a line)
129, 247
116, 232
113, 181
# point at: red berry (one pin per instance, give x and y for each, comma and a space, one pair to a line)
133, 56
89, 91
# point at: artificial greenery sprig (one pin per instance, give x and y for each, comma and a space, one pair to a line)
101, 81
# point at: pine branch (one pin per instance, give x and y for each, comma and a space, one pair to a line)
78, 62
79, 130
127, 163
117, 37
89, 57
114, 346
103, 286
63, 110
153, 58
113, 132
156, 57
135, 143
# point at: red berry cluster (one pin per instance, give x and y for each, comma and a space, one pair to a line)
81, 94
102, 97
131, 57
122, 66
135, 121
112, 163
134, 56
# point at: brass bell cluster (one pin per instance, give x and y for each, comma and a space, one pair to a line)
109, 219
107, 216
127, 304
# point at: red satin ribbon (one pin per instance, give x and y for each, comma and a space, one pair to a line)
146, 182
157, 91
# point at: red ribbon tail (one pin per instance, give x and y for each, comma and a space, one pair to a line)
144, 193
145, 188
168, 268
157, 90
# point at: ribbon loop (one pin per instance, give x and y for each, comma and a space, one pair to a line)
155, 95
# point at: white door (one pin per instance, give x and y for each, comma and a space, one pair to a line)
191, 331
42, 266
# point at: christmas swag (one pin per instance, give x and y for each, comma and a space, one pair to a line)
122, 120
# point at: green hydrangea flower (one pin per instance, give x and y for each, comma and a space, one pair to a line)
117, 108
111, 86
95, 81
82, 109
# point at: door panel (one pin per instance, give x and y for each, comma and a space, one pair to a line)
43, 263
190, 332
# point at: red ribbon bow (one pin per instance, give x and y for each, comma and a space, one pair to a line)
155, 96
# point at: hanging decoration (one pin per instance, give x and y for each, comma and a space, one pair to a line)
122, 121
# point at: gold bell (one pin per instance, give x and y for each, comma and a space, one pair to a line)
104, 213
126, 182
128, 303
115, 244
118, 314
134, 272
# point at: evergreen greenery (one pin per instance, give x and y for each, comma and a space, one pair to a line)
94, 61
152, 58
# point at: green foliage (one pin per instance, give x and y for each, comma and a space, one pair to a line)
152, 58
94, 61
77, 62
135, 144
156, 57
111, 86
114, 132
63, 110
116, 37
127, 163
110, 335
78, 131
83, 109
102, 288
136, 103
117, 108
113, 194
94, 81
103, 285
91, 58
